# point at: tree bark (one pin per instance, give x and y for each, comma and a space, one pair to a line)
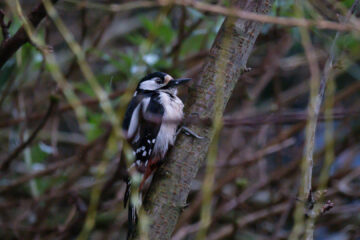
171, 185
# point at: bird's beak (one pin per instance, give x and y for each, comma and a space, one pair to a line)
177, 82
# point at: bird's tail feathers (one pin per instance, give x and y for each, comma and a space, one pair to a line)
127, 192
132, 221
132, 211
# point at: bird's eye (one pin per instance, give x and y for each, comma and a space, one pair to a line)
159, 81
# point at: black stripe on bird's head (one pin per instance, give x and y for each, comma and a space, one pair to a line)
160, 81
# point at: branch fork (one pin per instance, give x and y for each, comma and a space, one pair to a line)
315, 207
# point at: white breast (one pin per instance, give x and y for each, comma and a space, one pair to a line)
167, 133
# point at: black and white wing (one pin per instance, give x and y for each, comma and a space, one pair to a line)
141, 125
130, 124
149, 126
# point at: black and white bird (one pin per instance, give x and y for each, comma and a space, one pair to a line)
150, 126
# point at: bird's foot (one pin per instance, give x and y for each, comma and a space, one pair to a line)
246, 69
188, 132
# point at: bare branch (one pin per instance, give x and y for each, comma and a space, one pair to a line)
11, 45
5, 163
4, 26
314, 107
233, 12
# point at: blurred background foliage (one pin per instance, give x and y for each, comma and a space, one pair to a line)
45, 191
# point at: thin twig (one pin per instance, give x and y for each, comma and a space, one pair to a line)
226, 230
40, 173
182, 37
4, 26
315, 101
11, 45
50, 60
233, 12
5, 163
84, 66
233, 203
63, 108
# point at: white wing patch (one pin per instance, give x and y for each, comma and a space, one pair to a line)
134, 121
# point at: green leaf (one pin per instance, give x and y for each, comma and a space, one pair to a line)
135, 38
85, 88
38, 155
6, 71
94, 122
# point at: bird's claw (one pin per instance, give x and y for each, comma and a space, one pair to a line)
189, 132
247, 69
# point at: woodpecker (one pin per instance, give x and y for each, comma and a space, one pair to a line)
150, 126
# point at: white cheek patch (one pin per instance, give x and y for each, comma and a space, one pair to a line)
150, 84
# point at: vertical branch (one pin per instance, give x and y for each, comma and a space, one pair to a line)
329, 103
171, 186
327, 76
313, 112
208, 184
317, 93
329, 134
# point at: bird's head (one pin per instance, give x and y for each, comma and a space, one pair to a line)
159, 81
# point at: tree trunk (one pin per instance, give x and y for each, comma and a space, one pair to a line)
171, 185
